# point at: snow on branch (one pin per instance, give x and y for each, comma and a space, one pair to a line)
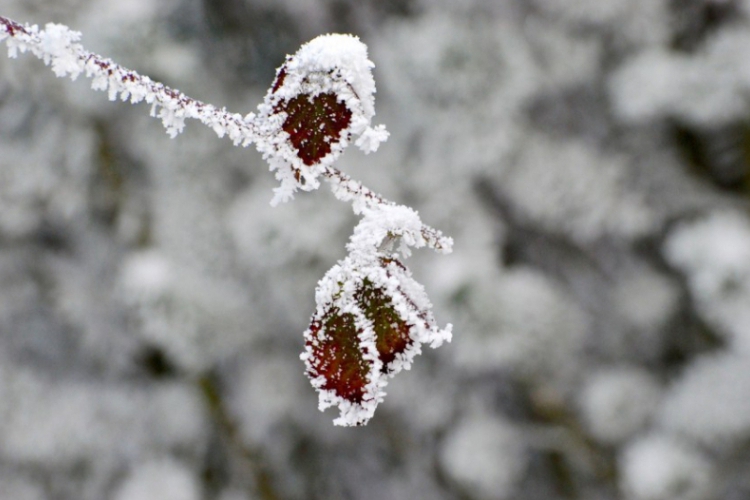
371, 316
347, 189
57, 46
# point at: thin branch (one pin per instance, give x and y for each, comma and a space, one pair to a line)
348, 189
57, 46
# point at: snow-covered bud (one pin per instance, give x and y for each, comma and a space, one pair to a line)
322, 97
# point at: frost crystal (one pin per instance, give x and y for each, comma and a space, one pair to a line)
321, 97
371, 317
369, 325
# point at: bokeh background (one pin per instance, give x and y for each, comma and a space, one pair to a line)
591, 158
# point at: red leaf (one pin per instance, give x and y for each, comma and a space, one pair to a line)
350, 356
336, 356
313, 123
392, 334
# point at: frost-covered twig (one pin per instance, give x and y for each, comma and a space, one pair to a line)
347, 189
56, 46
371, 317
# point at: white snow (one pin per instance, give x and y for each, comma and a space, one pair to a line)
659, 467
164, 479
710, 402
174, 303
714, 254
486, 455
330, 63
618, 402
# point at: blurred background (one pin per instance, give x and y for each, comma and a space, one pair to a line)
591, 159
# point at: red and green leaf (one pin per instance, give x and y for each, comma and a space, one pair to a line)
392, 333
335, 355
350, 356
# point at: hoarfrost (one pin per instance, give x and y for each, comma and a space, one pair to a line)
164, 479
522, 321
618, 402
659, 467
714, 254
710, 402
703, 89
486, 455
563, 186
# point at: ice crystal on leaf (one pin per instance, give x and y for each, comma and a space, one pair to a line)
313, 123
372, 317
369, 325
321, 97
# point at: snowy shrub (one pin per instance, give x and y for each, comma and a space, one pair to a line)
475, 73
646, 299
179, 309
30, 180
710, 402
714, 254
706, 88
159, 480
20, 488
267, 393
564, 187
641, 21
522, 322
659, 467
618, 402
63, 422
282, 244
372, 316
486, 456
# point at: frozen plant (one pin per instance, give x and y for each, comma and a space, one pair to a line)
713, 252
371, 316
710, 402
703, 89
521, 321
486, 456
60, 422
659, 467
159, 479
617, 402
